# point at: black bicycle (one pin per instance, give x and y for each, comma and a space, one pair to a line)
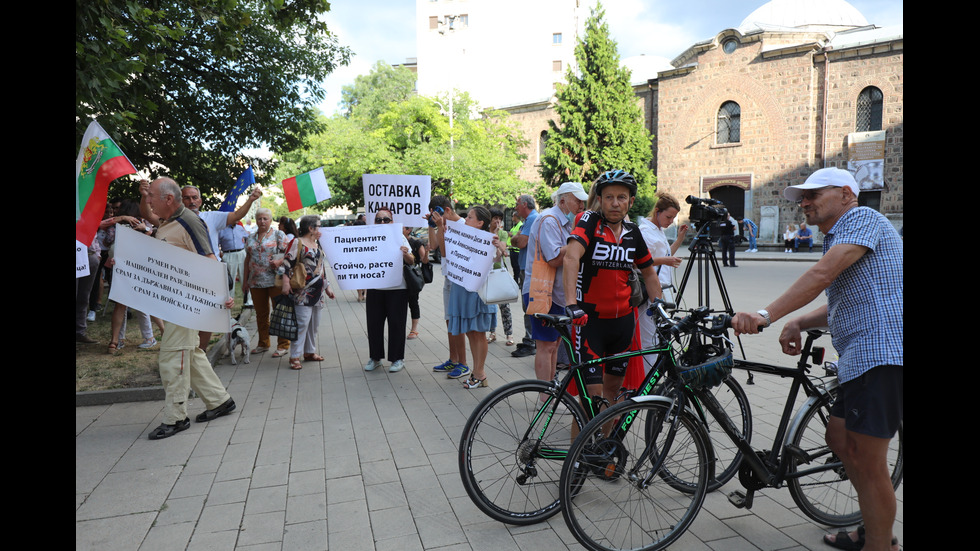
641, 486
515, 441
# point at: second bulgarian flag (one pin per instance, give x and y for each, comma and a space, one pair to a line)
305, 190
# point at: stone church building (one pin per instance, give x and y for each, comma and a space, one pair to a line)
796, 87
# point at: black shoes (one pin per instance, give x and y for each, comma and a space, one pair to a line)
223, 409
166, 431
522, 351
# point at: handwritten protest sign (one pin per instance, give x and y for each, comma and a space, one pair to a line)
165, 281
81, 260
469, 255
407, 197
364, 257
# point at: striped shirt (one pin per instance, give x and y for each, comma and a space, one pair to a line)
865, 302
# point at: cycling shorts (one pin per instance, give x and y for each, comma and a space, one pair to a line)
603, 337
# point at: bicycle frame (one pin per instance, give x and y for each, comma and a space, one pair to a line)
762, 463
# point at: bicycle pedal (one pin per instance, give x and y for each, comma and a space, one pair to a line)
798, 453
741, 499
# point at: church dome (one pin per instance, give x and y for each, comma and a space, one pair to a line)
804, 14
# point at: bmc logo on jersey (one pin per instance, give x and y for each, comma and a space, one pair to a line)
604, 251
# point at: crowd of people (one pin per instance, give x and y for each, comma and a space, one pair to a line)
587, 248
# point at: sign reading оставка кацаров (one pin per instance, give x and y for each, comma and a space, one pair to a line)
406, 196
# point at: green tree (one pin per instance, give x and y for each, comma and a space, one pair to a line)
388, 131
600, 124
186, 86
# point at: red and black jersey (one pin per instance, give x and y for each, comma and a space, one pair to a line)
602, 287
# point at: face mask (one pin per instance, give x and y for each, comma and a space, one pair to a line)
569, 216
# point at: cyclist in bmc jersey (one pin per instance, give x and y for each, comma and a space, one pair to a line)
602, 251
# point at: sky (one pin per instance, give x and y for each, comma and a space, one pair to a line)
385, 29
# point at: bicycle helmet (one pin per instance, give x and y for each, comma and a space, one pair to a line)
618, 177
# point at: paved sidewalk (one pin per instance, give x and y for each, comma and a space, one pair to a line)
332, 457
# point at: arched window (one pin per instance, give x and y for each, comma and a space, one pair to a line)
729, 123
869, 108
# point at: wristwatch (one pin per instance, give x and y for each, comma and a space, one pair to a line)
765, 313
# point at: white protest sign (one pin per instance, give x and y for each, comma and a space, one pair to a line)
364, 257
82, 268
407, 197
165, 281
469, 255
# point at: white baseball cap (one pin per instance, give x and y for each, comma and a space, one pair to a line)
574, 188
825, 177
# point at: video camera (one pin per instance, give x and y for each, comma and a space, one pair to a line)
706, 211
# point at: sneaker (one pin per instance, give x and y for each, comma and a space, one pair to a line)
444, 367
461, 370
396, 366
371, 365
91, 315
147, 343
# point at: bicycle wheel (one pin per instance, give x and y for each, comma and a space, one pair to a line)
612, 495
511, 451
827, 496
727, 456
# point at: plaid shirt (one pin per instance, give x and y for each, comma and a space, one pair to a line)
864, 303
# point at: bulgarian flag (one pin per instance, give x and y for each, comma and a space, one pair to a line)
99, 162
305, 190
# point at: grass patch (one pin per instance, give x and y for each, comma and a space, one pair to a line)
131, 367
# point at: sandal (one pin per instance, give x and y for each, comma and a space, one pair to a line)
843, 540
312, 357
510, 340
413, 335
280, 352
473, 382
114, 349
492, 337
295, 363
260, 349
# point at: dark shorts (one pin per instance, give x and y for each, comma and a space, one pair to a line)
605, 337
540, 331
871, 404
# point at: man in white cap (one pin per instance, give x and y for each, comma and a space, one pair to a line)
861, 271
549, 236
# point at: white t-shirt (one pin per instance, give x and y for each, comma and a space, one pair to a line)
658, 245
216, 221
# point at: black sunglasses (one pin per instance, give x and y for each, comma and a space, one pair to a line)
380, 220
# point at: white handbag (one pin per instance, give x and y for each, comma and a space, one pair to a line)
499, 288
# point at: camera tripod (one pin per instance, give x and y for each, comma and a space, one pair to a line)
703, 256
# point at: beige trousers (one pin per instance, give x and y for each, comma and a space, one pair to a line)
183, 366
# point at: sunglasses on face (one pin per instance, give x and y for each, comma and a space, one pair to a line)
382, 220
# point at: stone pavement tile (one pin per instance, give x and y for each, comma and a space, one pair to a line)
539, 539
350, 540
180, 511
306, 482
229, 491
262, 528
418, 478
220, 518
305, 536
350, 488
341, 466
385, 496
379, 472
147, 454
114, 533
492, 535
128, 493
265, 500
348, 516
305, 508
760, 533
466, 511
213, 541
391, 523
166, 537
428, 501
234, 469
439, 531
401, 543
270, 475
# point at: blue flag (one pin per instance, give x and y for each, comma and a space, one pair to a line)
246, 180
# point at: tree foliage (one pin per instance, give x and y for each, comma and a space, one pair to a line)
386, 129
600, 124
186, 86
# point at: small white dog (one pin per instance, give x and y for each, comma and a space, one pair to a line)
239, 337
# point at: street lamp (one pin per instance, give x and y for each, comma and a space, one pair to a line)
449, 25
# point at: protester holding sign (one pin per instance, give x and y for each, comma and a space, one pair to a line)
183, 365
470, 316
391, 305
306, 250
